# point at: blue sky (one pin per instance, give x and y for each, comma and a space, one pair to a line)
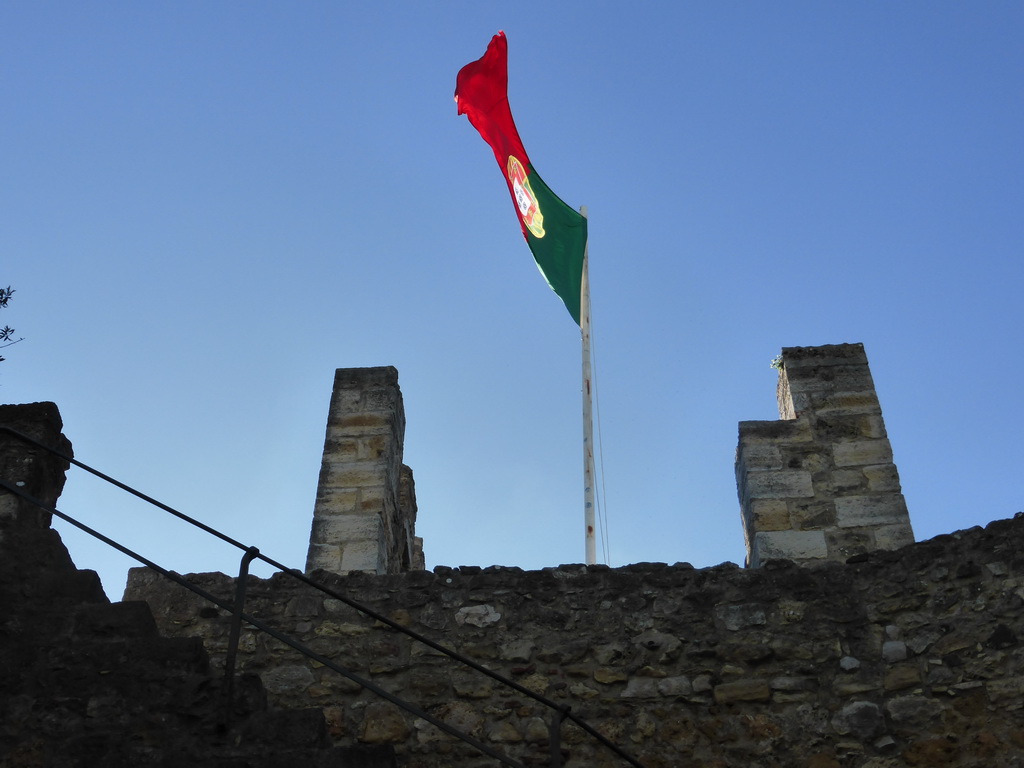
207, 207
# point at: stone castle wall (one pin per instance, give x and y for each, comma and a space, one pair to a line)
86, 683
849, 647
905, 658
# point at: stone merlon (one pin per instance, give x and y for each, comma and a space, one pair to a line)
820, 483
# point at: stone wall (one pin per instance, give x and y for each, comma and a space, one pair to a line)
85, 682
365, 512
905, 658
821, 483
868, 655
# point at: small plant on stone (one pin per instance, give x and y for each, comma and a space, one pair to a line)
6, 333
776, 362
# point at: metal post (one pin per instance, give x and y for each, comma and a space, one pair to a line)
555, 736
590, 540
236, 629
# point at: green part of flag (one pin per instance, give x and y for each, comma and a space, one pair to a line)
559, 253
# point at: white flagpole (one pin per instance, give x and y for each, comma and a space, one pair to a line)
588, 420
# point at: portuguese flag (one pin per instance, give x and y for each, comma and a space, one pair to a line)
556, 233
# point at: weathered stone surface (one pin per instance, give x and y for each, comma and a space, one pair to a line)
913, 710
365, 512
854, 511
640, 688
894, 650
903, 676
721, 667
287, 679
835, 475
778, 484
609, 676
504, 732
384, 723
477, 615
752, 649
893, 536
742, 690
759, 642
770, 514
882, 477
735, 617
789, 545
859, 453
675, 686
863, 719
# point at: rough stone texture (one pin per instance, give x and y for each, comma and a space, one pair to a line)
820, 484
85, 682
908, 657
364, 518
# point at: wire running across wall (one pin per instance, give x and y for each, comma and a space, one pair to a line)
560, 712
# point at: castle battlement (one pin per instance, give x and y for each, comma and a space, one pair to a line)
847, 646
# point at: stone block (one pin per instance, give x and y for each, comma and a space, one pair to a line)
861, 511
336, 501
860, 718
917, 711
477, 615
742, 690
784, 397
894, 536
607, 676
384, 399
789, 545
287, 679
383, 723
325, 556
774, 432
372, 447
675, 686
901, 676
784, 683
361, 379
882, 478
812, 515
894, 650
342, 529
361, 424
836, 378
806, 456
362, 556
859, 453
377, 498
824, 355
769, 515
824, 403
846, 542
345, 448
761, 456
504, 732
848, 426
846, 482
736, 617
536, 731
360, 474
641, 688
1006, 689
778, 484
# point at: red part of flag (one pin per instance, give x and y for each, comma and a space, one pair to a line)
481, 93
